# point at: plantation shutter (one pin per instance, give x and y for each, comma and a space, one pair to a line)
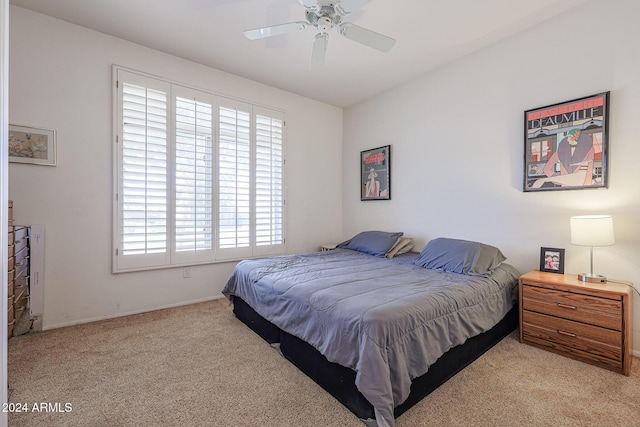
198, 177
234, 178
143, 194
269, 188
194, 154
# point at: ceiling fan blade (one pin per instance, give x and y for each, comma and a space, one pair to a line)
319, 51
276, 30
349, 6
367, 37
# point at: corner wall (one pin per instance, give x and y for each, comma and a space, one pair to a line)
61, 79
457, 141
4, 185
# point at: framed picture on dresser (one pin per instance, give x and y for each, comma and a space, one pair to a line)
552, 260
32, 145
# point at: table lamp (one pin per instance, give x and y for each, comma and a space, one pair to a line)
592, 230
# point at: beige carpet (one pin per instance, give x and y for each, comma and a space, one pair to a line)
199, 366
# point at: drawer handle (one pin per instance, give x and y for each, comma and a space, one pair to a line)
569, 334
570, 307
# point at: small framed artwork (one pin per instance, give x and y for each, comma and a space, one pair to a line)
552, 260
32, 145
566, 145
375, 174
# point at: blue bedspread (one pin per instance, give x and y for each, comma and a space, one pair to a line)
387, 319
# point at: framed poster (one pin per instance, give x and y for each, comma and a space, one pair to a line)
566, 145
32, 145
552, 260
375, 174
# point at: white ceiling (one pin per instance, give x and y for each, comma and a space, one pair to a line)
428, 33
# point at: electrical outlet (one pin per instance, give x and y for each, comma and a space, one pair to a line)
186, 273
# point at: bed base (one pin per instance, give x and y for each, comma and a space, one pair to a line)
339, 381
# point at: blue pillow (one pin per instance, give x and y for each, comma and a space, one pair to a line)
376, 243
460, 256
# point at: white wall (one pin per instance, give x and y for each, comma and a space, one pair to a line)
457, 141
60, 78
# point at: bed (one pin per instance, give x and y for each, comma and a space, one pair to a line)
379, 332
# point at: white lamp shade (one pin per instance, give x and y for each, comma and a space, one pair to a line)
592, 230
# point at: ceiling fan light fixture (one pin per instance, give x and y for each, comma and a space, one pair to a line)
324, 24
312, 5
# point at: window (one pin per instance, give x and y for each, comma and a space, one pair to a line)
199, 177
269, 190
234, 210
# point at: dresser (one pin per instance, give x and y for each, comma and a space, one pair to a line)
590, 322
21, 279
17, 272
10, 273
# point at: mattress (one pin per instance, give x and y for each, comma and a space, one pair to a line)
386, 319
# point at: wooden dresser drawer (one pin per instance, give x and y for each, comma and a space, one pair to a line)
20, 237
20, 303
588, 338
590, 322
20, 289
20, 253
595, 310
10, 283
22, 269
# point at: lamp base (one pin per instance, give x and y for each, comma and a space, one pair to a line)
592, 278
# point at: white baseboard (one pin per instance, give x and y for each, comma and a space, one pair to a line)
114, 316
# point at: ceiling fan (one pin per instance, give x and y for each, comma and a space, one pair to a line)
325, 15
